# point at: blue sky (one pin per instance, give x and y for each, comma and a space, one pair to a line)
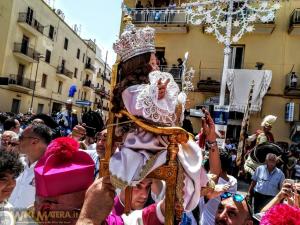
99, 19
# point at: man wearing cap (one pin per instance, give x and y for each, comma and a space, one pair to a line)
67, 118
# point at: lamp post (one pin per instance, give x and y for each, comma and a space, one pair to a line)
229, 20
34, 85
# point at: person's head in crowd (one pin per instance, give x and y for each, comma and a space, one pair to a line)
37, 121
234, 212
6, 140
101, 142
3, 117
179, 60
281, 214
140, 194
69, 104
63, 185
225, 161
12, 124
10, 168
14, 143
34, 141
271, 160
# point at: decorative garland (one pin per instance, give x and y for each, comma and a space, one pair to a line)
238, 15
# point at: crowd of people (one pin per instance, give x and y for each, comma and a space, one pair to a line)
42, 174
50, 169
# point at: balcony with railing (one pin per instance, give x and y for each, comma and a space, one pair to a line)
174, 70
30, 24
209, 80
87, 85
163, 19
292, 87
106, 77
294, 26
102, 92
63, 73
25, 53
17, 83
89, 68
91, 44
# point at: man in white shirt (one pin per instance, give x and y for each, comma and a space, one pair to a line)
33, 143
210, 207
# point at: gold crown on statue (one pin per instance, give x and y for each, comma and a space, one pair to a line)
134, 41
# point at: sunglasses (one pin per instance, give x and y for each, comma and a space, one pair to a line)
236, 197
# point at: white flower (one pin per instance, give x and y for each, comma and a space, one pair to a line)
235, 39
221, 39
200, 8
277, 6
223, 24
264, 19
250, 28
208, 18
209, 30
236, 23
198, 22
252, 18
264, 4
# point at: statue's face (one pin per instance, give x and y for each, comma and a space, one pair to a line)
153, 62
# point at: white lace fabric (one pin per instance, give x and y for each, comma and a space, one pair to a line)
154, 109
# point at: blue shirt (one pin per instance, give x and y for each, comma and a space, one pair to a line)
268, 183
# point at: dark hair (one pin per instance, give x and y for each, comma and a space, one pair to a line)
41, 131
3, 117
131, 72
9, 123
10, 163
225, 160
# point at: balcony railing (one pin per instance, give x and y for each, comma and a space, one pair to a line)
64, 71
292, 87
102, 92
17, 80
295, 17
294, 26
26, 50
88, 83
174, 70
106, 78
159, 16
90, 67
91, 44
25, 18
209, 80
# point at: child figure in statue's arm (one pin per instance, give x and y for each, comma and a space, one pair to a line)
145, 91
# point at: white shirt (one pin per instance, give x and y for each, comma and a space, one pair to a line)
209, 210
24, 193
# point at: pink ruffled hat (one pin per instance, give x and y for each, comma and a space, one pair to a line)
63, 169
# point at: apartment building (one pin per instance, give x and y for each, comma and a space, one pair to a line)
41, 58
275, 44
102, 84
